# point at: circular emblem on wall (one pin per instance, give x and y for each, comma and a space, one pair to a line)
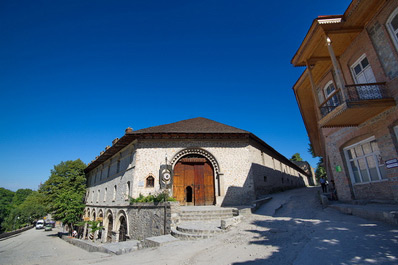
166, 176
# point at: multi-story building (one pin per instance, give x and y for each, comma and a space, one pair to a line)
199, 161
347, 97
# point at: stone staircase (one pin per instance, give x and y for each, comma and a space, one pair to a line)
202, 222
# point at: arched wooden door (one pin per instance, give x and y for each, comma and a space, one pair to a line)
193, 182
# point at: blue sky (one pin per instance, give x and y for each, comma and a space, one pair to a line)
75, 74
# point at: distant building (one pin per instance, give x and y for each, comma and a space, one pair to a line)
347, 97
201, 162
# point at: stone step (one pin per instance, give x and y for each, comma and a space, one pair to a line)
200, 228
205, 217
207, 213
185, 236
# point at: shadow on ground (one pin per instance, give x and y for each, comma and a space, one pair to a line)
304, 233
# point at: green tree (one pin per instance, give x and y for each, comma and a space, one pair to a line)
64, 192
320, 168
32, 208
296, 157
6, 197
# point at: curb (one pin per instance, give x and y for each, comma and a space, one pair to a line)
390, 217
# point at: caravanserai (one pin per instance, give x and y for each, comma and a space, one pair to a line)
197, 161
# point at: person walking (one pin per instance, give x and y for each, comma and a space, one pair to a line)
323, 184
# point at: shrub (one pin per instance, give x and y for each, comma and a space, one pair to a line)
160, 197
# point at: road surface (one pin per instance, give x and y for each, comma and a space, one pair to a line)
290, 229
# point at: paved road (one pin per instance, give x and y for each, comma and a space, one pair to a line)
40, 247
291, 229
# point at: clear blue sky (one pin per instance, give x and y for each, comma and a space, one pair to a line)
75, 74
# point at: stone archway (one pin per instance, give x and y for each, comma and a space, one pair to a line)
121, 226
109, 227
100, 224
193, 180
122, 229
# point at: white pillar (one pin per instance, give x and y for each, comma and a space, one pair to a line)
339, 77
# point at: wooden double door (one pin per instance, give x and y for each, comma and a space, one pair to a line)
193, 182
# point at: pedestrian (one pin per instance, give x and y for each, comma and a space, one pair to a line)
323, 184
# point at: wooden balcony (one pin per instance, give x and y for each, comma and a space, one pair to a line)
362, 102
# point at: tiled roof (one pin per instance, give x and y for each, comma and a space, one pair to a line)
195, 125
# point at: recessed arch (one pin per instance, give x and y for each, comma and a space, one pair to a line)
121, 226
194, 180
108, 224
198, 151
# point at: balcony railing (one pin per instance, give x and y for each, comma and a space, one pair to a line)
354, 93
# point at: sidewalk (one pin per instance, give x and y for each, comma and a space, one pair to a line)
387, 213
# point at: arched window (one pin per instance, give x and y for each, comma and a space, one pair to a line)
392, 26
150, 182
114, 193
127, 194
329, 89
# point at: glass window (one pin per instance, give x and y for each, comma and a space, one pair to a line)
392, 25
150, 182
364, 161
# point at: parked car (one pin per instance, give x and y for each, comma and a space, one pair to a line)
48, 227
40, 224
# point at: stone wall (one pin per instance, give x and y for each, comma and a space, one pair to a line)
150, 219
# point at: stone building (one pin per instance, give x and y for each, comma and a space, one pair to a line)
200, 162
347, 97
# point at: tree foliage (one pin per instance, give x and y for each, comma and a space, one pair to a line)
296, 157
32, 208
320, 168
65, 190
6, 197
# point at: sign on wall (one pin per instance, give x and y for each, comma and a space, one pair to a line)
392, 163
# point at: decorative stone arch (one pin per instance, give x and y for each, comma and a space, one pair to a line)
93, 214
218, 180
121, 226
109, 223
197, 151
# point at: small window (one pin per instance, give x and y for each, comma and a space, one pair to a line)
114, 193
265, 178
105, 192
92, 197
392, 26
98, 195
150, 182
128, 195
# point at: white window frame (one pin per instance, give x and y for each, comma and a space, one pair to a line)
327, 95
375, 155
393, 33
357, 62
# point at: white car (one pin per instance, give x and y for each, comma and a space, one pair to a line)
40, 224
